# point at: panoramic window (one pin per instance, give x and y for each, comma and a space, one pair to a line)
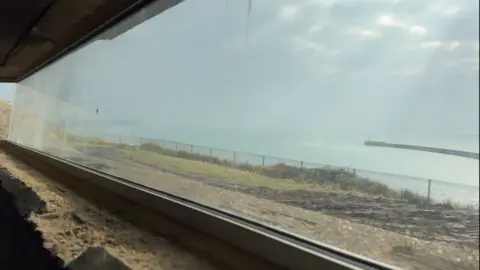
351, 123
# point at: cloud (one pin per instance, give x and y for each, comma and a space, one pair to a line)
410, 71
417, 30
326, 70
322, 3
289, 12
472, 62
446, 10
450, 45
391, 21
302, 44
315, 28
305, 62
367, 33
414, 71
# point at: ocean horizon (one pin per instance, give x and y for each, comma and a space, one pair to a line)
400, 169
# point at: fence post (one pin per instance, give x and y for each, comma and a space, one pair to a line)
234, 157
191, 148
210, 152
429, 192
301, 164
176, 146
84, 145
263, 161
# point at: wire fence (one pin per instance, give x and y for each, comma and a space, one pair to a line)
427, 191
415, 189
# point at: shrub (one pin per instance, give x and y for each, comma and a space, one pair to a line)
344, 179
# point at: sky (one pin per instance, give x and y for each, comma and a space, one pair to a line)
7, 92
306, 70
374, 68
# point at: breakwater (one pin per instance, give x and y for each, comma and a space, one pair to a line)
451, 152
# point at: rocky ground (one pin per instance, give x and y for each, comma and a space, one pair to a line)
388, 246
457, 226
437, 222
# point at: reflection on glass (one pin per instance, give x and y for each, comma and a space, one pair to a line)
189, 91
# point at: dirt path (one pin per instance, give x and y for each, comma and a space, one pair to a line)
436, 223
396, 249
72, 224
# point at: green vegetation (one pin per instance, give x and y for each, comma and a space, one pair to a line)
228, 174
279, 176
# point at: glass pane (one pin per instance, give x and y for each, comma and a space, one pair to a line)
264, 111
7, 93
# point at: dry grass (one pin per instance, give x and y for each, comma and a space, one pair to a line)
258, 178
232, 175
323, 178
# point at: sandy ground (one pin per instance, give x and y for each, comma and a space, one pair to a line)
385, 246
72, 224
5, 110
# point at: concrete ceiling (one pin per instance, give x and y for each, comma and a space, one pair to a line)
32, 32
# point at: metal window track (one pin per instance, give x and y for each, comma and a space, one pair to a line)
227, 239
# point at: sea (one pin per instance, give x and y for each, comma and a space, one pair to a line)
449, 178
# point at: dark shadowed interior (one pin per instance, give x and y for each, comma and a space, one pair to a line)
34, 31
